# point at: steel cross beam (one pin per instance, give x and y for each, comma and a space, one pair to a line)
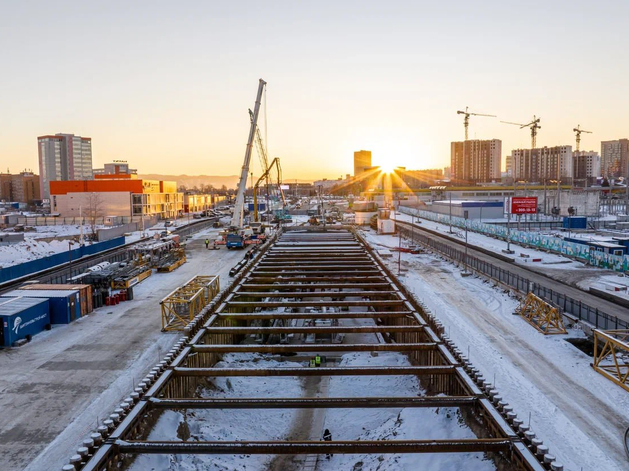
363, 329
262, 286
480, 445
314, 402
314, 315
313, 294
308, 278
321, 371
322, 347
363, 302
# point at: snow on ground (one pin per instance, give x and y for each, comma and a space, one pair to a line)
30, 249
393, 424
579, 414
37, 244
124, 341
228, 424
497, 246
608, 283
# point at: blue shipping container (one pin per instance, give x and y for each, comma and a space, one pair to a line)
65, 305
21, 318
575, 222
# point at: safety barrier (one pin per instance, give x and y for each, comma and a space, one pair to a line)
27, 268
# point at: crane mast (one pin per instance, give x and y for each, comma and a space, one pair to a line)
239, 207
578, 132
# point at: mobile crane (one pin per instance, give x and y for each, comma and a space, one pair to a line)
235, 237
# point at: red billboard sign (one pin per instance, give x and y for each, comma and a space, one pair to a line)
524, 205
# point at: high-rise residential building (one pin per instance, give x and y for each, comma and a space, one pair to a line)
543, 164
63, 157
509, 165
21, 188
362, 160
615, 158
475, 161
586, 165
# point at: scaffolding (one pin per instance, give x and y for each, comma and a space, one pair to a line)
543, 316
183, 304
611, 355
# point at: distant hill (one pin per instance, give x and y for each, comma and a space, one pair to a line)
190, 181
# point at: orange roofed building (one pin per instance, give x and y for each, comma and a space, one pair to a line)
116, 195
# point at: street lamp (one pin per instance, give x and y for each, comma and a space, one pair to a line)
465, 270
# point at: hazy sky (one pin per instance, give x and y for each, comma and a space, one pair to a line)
166, 85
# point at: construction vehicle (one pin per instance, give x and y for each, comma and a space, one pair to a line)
466, 119
239, 206
533, 125
234, 240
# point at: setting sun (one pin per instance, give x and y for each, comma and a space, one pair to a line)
387, 167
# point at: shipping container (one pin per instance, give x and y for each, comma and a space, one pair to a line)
84, 290
65, 305
21, 318
575, 222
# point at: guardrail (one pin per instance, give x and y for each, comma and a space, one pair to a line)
523, 285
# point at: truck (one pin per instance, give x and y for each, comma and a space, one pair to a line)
235, 241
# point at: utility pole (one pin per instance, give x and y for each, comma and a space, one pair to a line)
450, 213
399, 251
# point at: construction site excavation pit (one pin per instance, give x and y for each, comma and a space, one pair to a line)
317, 335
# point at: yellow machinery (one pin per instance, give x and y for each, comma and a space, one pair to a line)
541, 315
183, 304
611, 355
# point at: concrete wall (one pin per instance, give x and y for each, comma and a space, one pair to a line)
114, 203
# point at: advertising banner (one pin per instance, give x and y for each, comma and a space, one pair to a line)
524, 205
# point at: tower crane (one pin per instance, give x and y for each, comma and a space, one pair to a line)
466, 119
534, 125
578, 132
239, 207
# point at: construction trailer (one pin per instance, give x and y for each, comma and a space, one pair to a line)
65, 305
21, 318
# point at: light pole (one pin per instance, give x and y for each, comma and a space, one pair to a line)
465, 271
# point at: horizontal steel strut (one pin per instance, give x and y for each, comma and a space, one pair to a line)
316, 447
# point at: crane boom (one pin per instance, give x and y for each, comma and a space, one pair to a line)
466, 118
265, 175
533, 125
239, 207
264, 161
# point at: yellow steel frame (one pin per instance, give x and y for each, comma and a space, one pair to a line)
612, 360
183, 304
541, 315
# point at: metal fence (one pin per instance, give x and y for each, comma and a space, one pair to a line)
534, 240
519, 283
